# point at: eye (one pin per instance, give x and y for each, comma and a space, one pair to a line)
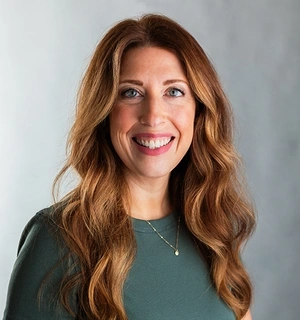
130, 93
175, 92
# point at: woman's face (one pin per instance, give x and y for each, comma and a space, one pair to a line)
152, 122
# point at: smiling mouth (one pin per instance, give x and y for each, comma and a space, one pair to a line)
153, 144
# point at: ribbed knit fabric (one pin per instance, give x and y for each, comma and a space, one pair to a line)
160, 285
163, 286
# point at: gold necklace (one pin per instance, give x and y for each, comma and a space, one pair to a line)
176, 251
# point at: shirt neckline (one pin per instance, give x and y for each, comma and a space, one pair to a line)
160, 225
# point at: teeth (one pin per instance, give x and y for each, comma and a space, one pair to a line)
153, 144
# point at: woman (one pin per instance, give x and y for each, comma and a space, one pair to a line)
155, 226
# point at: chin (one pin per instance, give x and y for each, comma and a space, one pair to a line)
155, 174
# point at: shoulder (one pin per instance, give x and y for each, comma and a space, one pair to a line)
41, 233
40, 220
43, 261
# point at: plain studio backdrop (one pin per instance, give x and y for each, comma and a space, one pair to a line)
255, 46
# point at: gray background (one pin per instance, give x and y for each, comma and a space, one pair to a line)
45, 47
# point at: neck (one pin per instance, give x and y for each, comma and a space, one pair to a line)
149, 198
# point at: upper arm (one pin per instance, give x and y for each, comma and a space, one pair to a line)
37, 272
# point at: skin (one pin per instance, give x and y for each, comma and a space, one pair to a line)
154, 103
247, 316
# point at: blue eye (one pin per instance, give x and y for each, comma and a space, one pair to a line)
130, 93
174, 92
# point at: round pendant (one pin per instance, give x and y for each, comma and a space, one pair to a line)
176, 252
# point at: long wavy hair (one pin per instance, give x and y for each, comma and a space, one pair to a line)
206, 186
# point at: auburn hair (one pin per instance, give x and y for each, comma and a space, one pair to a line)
206, 186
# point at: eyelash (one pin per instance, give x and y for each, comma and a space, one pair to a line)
125, 91
176, 89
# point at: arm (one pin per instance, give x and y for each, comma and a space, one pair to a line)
37, 270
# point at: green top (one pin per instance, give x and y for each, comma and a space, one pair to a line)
160, 285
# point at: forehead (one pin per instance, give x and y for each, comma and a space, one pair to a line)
147, 60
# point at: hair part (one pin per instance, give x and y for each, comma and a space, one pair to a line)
95, 221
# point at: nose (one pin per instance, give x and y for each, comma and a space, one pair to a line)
153, 113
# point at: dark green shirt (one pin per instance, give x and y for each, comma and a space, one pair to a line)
159, 286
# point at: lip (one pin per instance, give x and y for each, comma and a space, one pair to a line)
157, 151
153, 135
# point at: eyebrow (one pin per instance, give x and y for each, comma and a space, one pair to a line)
137, 82
173, 81
140, 83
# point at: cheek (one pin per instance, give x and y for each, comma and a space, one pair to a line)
185, 122
121, 119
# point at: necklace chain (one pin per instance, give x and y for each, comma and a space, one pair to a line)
176, 251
